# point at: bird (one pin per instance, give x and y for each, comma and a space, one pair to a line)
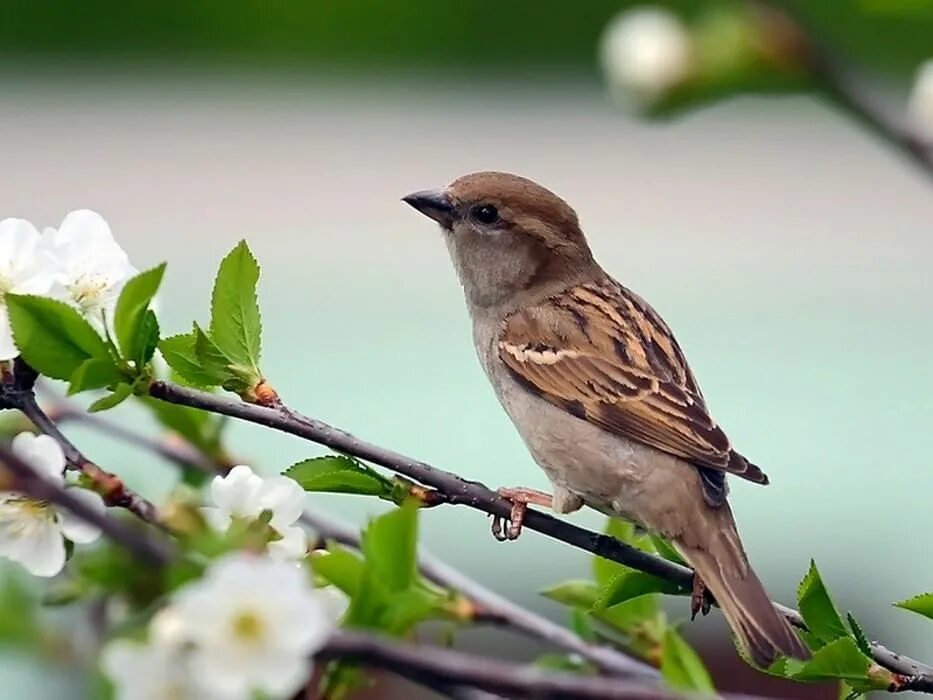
600, 391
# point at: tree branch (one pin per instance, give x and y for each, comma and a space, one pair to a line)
436, 666
493, 607
149, 551
843, 88
456, 490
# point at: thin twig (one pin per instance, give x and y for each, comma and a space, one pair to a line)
434, 665
838, 83
493, 607
456, 490
150, 551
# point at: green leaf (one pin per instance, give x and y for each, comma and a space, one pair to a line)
407, 609
921, 604
663, 547
53, 337
236, 325
340, 567
179, 353
633, 584
210, 357
840, 659
119, 395
389, 546
817, 608
133, 330
94, 374
681, 668
149, 338
578, 593
339, 474
858, 635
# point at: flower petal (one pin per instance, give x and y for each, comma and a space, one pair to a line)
8, 349
284, 497
73, 527
45, 555
293, 545
237, 493
18, 240
42, 453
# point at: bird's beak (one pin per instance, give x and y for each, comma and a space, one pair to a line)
434, 204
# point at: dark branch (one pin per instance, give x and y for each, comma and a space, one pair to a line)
443, 667
475, 495
25, 479
837, 81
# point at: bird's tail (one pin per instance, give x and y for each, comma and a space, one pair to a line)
722, 565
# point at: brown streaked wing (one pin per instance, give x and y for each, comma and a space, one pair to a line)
603, 354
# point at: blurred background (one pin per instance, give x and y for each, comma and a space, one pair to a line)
788, 248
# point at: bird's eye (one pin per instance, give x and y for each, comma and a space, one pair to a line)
485, 214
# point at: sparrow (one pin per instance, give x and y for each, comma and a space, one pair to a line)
599, 390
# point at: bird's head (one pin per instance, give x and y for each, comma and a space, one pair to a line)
508, 236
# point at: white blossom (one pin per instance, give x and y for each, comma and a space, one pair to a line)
253, 624
92, 267
920, 107
244, 494
32, 531
645, 51
25, 268
148, 671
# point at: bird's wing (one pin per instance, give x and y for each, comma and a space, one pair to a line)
601, 353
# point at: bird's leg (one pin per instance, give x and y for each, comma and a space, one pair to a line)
520, 498
700, 598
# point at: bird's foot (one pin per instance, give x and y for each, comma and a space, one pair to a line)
520, 498
701, 600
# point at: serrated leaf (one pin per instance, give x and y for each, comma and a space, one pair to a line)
575, 593
53, 337
840, 659
633, 584
94, 374
817, 608
211, 358
133, 330
389, 545
681, 668
339, 474
120, 394
408, 608
921, 604
179, 353
236, 326
858, 634
149, 338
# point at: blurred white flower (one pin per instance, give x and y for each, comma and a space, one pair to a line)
253, 624
335, 602
25, 268
920, 107
32, 531
148, 671
645, 52
92, 267
244, 494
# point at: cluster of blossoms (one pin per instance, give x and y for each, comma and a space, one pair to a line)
79, 263
250, 625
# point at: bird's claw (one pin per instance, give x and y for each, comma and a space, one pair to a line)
700, 599
513, 524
